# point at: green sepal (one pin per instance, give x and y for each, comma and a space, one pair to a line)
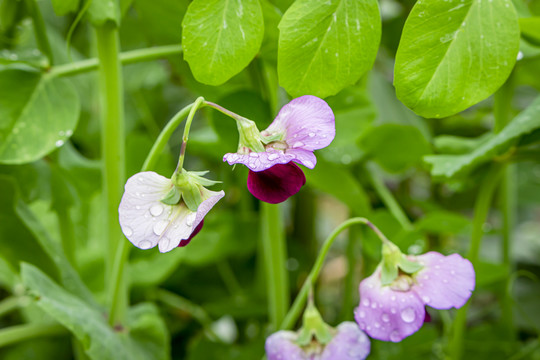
268, 139
250, 136
314, 327
192, 196
391, 257
408, 266
389, 273
172, 197
203, 181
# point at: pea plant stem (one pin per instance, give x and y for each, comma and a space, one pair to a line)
481, 211
128, 57
300, 301
18, 333
40, 30
112, 153
275, 255
198, 103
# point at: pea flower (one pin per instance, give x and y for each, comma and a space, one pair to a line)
302, 126
393, 311
155, 210
348, 343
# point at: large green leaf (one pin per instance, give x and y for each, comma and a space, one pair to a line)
454, 54
530, 29
147, 339
62, 7
37, 114
453, 165
221, 37
325, 46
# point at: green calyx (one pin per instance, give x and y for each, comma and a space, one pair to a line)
250, 137
394, 261
314, 327
188, 186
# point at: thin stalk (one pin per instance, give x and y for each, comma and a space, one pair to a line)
295, 310
196, 105
8, 305
128, 57
112, 152
18, 333
387, 198
67, 233
350, 284
275, 255
40, 30
481, 210
222, 110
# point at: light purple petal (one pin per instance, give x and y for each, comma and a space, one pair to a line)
281, 346
276, 184
210, 199
350, 343
259, 161
445, 281
386, 314
307, 122
304, 157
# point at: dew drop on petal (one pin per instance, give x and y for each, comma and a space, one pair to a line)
298, 144
190, 219
445, 281
394, 336
393, 311
408, 315
365, 302
311, 134
273, 157
385, 317
362, 314
373, 305
156, 210
127, 231
160, 226
426, 299
393, 298
145, 244
254, 155
377, 325
59, 143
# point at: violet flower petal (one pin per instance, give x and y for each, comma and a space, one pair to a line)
387, 314
304, 157
281, 346
276, 184
259, 161
350, 343
445, 281
307, 122
195, 232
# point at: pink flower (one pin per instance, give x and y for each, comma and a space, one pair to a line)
302, 126
395, 311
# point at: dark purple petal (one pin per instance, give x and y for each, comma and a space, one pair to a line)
445, 281
276, 184
195, 232
427, 318
281, 346
387, 314
350, 343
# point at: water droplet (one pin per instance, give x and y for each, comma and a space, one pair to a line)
393, 298
452, 272
368, 328
377, 325
298, 144
426, 277
437, 267
426, 299
254, 155
137, 207
445, 281
190, 219
69, 132
385, 317
311, 134
145, 244
156, 210
127, 231
373, 305
365, 302
160, 227
393, 310
59, 143
408, 315
362, 314
273, 157
394, 336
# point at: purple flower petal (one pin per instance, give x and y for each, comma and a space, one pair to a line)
195, 232
281, 346
259, 161
304, 157
387, 314
350, 343
307, 122
276, 184
445, 281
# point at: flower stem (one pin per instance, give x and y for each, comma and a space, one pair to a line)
222, 110
128, 57
40, 30
481, 210
295, 310
18, 333
112, 152
275, 254
196, 105
67, 234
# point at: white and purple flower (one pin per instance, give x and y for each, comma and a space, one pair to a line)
147, 221
302, 126
393, 312
348, 343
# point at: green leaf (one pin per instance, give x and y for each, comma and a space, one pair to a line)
340, 183
530, 29
448, 166
101, 11
62, 7
452, 54
37, 114
221, 37
443, 222
147, 339
395, 147
325, 46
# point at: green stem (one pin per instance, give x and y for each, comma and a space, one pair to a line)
112, 152
222, 110
387, 198
196, 105
18, 333
67, 233
350, 284
9, 304
296, 309
481, 210
127, 57
275, 255
40, 30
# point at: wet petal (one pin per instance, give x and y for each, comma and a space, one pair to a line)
281, 346
307, 122
350, 343
259, 161
304, 157
195, 232
276, 184
386, 314
445, 281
